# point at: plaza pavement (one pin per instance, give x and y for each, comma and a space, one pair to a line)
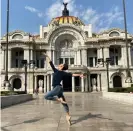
90, 112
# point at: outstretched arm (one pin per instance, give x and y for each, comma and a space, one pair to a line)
50, 62
81, 75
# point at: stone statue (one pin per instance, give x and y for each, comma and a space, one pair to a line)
65, 5
94, 82
40, 83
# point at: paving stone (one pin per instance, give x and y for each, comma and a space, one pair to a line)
89, 111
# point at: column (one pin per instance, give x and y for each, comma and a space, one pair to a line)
93, 61
50, 55
106, 52
99, 53
31, 55
84, 57
53, 56
73, 84
26, 55
123, 58
3, 60
78, 58
9, 59
47, 83
86, 84
75, 58
51, 81
36, 83
82, 85
98, 82
129, 54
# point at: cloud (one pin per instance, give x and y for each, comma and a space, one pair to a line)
31, 9
100, 20
34, 10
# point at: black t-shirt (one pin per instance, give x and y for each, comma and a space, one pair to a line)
58, 75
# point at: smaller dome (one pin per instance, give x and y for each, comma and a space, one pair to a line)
66, 20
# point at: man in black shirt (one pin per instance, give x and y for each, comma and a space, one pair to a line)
57, 93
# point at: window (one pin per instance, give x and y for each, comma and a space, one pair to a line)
112, 34
66, 60
91, 61
16, 63
18, 57
17, 36
61, 61
71, 61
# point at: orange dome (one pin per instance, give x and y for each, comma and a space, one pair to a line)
67, 20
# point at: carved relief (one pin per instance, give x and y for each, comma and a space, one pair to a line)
66, 44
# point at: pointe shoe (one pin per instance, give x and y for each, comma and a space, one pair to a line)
68, 118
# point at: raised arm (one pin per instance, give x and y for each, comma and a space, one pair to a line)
50, 62
81, 75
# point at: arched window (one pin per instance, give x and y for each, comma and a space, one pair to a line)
17, 36
114, 33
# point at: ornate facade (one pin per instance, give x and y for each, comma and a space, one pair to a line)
67, 39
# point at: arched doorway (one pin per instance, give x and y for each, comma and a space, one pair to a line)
117, 82
17, 83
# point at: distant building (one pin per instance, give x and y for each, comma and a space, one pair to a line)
67, 39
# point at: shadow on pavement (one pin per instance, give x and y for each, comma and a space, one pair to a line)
28, 121
87, 117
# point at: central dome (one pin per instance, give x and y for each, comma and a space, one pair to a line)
67, 20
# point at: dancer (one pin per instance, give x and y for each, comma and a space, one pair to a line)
57, 93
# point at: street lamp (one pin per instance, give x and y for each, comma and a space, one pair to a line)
7, 27
107, 61
24, 62
129, 78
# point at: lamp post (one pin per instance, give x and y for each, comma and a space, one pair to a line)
107, 61
7, 28
129, 78
24, 62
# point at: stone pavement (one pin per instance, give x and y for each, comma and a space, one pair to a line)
90, 112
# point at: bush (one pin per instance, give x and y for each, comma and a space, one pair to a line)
7, 93
124, 90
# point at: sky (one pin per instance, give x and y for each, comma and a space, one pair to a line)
28, 15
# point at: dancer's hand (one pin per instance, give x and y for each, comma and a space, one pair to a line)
46, 56
82, 76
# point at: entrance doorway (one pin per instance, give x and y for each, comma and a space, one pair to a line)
67, 83
40, 83
17, 83
117, 82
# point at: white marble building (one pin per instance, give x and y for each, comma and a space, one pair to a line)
66, 39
